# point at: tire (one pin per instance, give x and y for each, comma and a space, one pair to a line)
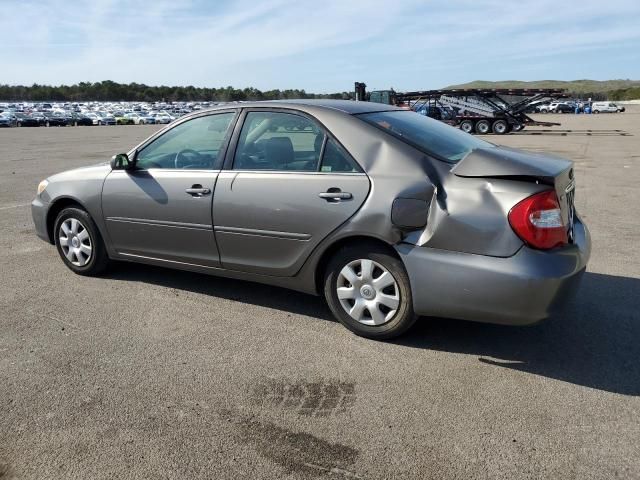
596, 111
68, 231
19, 124
467, 126
518, 127
545, 111
500, 127
377, 320
483, 127
47, 124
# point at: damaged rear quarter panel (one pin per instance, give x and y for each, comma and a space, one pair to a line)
473, 217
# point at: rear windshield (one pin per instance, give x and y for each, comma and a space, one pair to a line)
426, 134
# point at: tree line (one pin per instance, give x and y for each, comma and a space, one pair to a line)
137, 92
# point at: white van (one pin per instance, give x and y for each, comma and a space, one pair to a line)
606, 107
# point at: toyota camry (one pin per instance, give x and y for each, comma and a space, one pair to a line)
386, 213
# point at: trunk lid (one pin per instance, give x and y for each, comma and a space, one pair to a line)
509, 163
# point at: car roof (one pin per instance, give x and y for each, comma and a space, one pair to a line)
347, 106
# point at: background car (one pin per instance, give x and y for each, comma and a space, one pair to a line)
123, 119
606, 107
80, 119
105, 118
55, 120
140, 118
162, 118
24, 120
565, 108
95, 118
7, 119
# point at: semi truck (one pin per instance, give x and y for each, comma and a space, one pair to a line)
473, 110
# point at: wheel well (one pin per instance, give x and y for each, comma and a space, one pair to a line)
360, 240
55, 209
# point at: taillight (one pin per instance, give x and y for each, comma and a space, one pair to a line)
537, 220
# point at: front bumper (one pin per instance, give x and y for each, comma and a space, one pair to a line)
39, 211
518, 290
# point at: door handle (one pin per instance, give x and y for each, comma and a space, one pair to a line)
198, 191
335, 195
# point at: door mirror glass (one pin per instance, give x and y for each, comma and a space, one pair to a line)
121, 161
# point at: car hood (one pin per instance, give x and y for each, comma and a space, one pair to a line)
502, 162
93, 172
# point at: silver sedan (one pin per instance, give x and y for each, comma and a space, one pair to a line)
386, 213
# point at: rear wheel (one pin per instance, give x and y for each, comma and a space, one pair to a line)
368, 291
596, 111
79, 242
47, 124
500, 127
466, 126
483, 127
517, 127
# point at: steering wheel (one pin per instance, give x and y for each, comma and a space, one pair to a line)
177, 161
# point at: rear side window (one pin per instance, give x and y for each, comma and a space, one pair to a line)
336, 159
278, 141
428, 135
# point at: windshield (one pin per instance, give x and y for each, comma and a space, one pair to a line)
426, 134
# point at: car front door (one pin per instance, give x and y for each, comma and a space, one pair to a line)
162, 208
290, 185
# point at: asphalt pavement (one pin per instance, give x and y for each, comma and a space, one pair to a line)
154, 373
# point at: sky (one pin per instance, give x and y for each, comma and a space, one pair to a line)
320, 46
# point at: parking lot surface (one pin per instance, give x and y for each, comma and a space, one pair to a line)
153, 373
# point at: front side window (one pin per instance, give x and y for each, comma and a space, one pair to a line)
278, 141
194, 144
425, 134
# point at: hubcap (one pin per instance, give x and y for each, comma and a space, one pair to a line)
368, 292
75, 242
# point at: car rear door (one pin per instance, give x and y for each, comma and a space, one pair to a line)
162, 209
288, 185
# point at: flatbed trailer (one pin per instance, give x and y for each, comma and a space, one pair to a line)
473, 110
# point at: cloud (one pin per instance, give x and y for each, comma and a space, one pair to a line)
313, 45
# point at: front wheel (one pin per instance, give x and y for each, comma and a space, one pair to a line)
368, 291
79, 242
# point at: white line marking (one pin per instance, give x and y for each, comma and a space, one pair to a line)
15, 206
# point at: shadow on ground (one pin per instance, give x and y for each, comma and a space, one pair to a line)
595, 342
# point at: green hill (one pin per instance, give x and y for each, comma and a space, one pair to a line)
575, 86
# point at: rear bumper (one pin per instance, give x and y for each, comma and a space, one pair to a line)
519, 290
39, 211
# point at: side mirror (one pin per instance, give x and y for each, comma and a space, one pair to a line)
121, 161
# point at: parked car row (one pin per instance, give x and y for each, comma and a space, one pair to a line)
577, 106
26, 114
